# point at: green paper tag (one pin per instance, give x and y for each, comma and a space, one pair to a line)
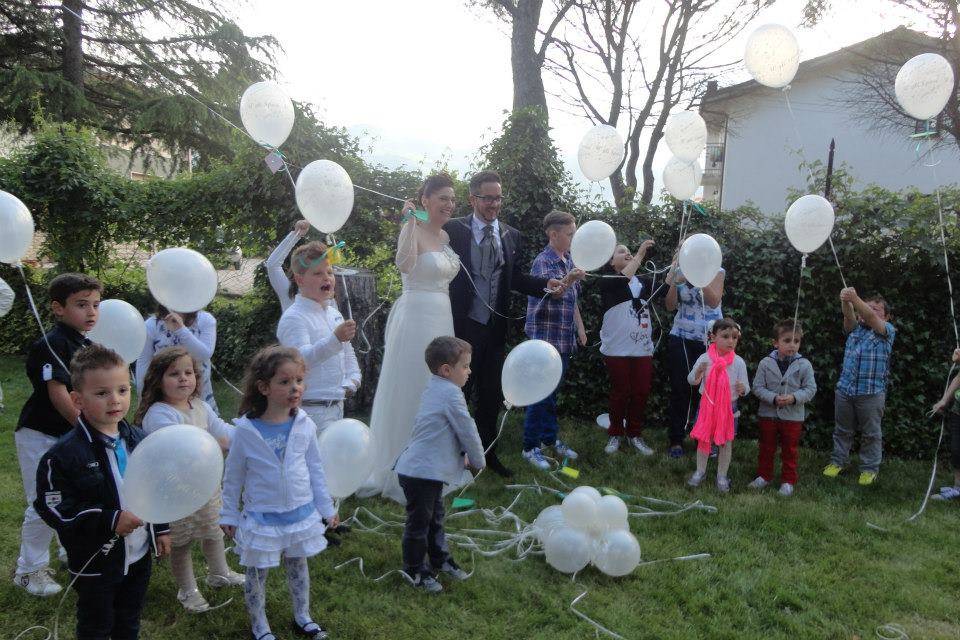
419, 214
462, 503
570, 471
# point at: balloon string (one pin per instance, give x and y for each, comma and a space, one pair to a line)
943, 244
36, 314
891, 631
224, 378
599, 628
837, 260
796, 309
503, 422
796, 132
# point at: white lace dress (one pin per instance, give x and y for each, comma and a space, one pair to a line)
420, 314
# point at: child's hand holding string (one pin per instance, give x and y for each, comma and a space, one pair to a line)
229, 530
301, 227
739, 388
173, 322
345, 331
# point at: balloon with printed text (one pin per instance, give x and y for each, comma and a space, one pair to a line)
324, 194
601, 152
267, 113
686, 135
700, 259
809, 222
593, 245
120, 327
772, 55
530, 372
924, 84
181, 279
16, 228
172, 473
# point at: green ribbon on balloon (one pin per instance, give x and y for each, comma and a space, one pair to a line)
699, 209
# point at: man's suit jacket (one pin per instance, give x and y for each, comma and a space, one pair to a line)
513, 275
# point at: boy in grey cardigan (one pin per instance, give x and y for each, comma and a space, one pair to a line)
784, 383
442, 432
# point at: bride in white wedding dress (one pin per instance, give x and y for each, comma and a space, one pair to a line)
422, 312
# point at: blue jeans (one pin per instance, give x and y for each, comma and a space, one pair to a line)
540, 424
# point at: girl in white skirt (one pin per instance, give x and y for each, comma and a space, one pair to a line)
171, 395
274, 467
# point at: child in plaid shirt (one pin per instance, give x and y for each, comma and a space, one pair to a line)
554, 319
861, 389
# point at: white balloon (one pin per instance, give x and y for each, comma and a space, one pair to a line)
579, 510
924, 85
530, 373
809, 222
588, 490
120, 327
6, 298
601, 152
181, 279
682, 178
612, 513
346, 454
686, 135
324, 195
267, 113
16, 228
568, 550
549, 520
603, 421
700, 259
172, 473
618, 553
772, 55
593, 245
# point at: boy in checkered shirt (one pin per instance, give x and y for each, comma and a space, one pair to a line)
554, 319
861, 389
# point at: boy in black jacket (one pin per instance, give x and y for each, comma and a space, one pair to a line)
78, 494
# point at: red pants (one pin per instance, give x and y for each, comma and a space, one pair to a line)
629, 388
789, 433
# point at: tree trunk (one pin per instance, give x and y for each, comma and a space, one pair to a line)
73, 42
359, 286
526, 63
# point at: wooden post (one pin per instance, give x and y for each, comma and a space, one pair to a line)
361, 285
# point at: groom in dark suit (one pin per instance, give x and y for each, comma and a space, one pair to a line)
490, 252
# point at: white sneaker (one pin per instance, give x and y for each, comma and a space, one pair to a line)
786, 490
563, 451
696, 479
723, 484
193, 601
535, 458
641, 446
232, 579
39, 583
613, 445
758, 483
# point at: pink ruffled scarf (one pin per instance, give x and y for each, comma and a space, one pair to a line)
715, 417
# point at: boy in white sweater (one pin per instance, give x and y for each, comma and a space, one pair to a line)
314, 326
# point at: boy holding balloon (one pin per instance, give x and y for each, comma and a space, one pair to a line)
79, 486
50, 413
554, 319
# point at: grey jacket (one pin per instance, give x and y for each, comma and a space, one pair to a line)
768, 384
442, 431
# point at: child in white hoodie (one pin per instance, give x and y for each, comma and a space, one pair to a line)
274, 465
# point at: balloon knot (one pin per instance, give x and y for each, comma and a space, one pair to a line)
785, 88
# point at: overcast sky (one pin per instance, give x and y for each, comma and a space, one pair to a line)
427, 81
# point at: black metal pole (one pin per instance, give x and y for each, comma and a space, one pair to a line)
826, 190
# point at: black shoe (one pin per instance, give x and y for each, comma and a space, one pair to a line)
332, 540
317, 632
342, 529
266, 636
497, 467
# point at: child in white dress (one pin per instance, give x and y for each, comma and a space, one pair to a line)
274, 468
171, 395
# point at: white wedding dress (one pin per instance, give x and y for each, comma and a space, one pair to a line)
420, 314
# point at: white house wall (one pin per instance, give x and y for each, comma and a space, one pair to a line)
761, 154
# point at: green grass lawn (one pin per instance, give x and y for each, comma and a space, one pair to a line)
804, 567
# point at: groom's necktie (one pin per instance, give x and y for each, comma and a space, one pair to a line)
488, 253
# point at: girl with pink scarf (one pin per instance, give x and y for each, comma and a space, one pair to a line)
722, 376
